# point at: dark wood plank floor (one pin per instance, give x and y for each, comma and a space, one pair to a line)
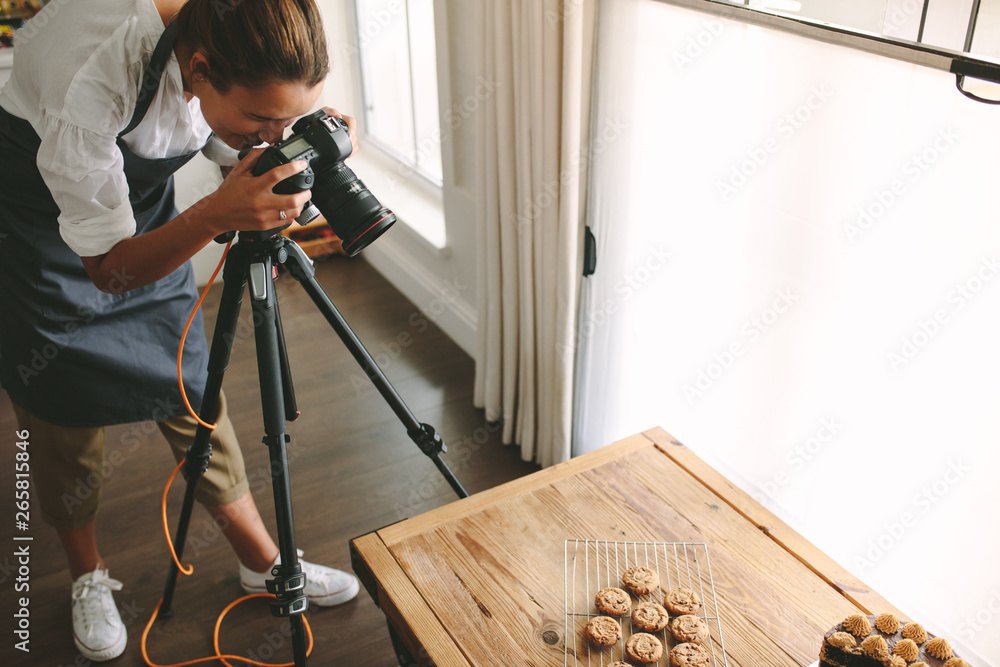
353, 470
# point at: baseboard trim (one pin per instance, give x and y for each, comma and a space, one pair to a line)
442, 301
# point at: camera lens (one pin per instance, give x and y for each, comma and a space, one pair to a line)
350, 209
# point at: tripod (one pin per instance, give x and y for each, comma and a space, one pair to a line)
252, 260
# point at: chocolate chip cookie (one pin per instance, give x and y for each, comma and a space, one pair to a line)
640, 580
689, 655
613, 601
682, 601
650, 617
602, 631
644, 648
689, 628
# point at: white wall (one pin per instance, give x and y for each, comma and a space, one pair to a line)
6, 61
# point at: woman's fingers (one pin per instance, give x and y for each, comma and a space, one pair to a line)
292, 205
352, 124
250, 201
248, 161
282, 171
274, 175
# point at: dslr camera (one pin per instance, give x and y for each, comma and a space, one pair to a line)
351, 210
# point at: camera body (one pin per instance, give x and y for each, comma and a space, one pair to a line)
350, 209
319, 139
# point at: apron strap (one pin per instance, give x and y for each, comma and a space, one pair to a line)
151, 77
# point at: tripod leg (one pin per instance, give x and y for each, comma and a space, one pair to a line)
289, 581
198, 454
423, 435
291, 409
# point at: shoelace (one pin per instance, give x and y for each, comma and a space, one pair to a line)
315, 574
312, 573
98, 580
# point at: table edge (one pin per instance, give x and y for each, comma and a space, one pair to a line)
439, 646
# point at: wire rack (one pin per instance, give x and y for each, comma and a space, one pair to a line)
595, 564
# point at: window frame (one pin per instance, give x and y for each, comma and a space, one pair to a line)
961, 64
404, 166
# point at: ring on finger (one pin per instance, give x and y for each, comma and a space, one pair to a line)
281, 215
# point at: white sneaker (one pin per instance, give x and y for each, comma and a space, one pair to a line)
325, 586
98, 631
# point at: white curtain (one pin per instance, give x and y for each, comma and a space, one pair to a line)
799, 278
614, 214
537, 54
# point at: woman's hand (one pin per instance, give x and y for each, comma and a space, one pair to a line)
245, 202
352, 126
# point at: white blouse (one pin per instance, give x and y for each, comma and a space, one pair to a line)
76, 76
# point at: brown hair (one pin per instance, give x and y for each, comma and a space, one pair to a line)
254, 42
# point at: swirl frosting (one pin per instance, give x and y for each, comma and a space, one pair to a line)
916, 632
876, 647
887, 623
842, 640
896, 643
906, 649
858, 625
939, 648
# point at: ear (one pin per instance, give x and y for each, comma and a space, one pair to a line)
198, 65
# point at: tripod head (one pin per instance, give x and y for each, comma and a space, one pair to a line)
252, 236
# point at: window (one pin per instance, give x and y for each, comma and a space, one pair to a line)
399, 82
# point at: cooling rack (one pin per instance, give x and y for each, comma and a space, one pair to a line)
595, 564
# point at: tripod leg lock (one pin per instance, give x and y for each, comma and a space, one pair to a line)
287, 586
275, 440
427, 440
295, 606
196, 465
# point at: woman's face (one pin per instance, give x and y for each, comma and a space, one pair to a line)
246, 117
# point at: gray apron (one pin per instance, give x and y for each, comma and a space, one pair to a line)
69, 353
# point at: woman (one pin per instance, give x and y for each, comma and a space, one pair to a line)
106, 100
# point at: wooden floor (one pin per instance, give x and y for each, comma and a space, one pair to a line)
352, 467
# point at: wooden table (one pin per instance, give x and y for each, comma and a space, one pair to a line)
491, 579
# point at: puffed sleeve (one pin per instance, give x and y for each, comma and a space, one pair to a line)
84, 170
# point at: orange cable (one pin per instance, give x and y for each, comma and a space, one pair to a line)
222, 657
166, 527
218, 625
218, 653
180, 350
